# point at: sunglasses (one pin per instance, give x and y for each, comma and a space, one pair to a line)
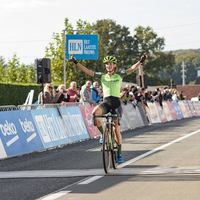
50, 87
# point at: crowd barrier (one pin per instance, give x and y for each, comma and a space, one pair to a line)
31, 128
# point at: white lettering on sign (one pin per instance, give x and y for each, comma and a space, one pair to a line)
76, 125
89, 52
51, 128
75, 46
86, 41
8, 129
89, 46
27, 126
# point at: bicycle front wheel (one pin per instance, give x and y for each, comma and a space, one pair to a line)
106, 152
114, 151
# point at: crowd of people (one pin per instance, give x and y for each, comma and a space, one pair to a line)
89, 92
93, 94
135, 94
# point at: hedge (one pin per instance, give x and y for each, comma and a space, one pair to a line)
16, 94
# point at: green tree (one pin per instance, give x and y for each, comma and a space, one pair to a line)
116, 40
146, 40
3, 67
13, 69
192, 63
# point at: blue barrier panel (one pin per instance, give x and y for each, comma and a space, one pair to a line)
178, 110
18, 132
74, 122
50, 127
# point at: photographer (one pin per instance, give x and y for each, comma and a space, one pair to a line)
49, 97
65, 93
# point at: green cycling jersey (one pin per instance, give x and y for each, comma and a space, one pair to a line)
111, 84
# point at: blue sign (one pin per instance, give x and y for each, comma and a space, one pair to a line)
178, 110
82, 46
50, 127
74, 122
18, 132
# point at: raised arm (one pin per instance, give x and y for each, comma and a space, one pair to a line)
136, 65
81, 67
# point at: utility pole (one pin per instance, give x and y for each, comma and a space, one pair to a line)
140, 76
183, 73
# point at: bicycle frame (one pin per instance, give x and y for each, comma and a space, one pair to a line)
109, 145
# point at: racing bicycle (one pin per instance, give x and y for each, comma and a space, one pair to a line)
109, 145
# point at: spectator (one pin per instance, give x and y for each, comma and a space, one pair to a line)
48, 96
170, 95
86, 94
131, 94
96, 94
123, 95
154, 95
181, 97
175, 96
74, 95
65, 93
159, 97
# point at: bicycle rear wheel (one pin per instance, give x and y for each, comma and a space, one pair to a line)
106, 152
114, 151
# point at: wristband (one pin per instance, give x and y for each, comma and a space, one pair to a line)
75, 62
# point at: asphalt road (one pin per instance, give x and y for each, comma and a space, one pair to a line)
161, 161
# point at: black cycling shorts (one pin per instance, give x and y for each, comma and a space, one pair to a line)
111, 103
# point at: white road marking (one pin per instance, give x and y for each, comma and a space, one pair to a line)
90, 180
156, 149
56, 195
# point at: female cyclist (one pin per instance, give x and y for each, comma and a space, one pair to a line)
111, 83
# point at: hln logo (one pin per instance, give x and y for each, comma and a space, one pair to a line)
75, 46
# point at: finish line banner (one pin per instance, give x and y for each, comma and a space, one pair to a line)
82, 46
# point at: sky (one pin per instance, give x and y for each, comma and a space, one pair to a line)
27, 26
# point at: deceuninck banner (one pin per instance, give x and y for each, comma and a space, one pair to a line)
74, 123
18, 132
50, 127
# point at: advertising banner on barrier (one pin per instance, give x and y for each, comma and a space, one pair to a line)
177, 109
74, 123
183, 109
141, 110
191, 108
50, 127
152, 113
172, 110
2, 150
161, 113
18, 132
196, 106
167, 111
189, 112
87, 116
134, 117
124, 120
